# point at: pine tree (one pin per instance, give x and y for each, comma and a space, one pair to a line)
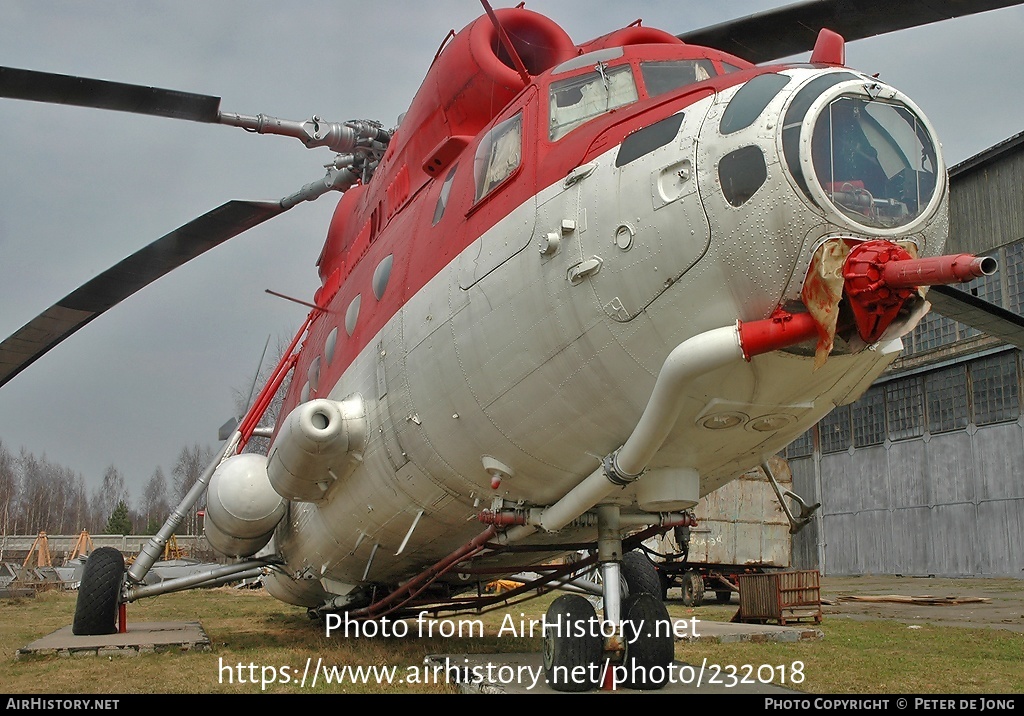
119, 524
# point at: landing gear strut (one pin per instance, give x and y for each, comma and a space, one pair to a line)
632, 646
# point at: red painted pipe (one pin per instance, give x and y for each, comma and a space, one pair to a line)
781, 330
122, 618
502, 519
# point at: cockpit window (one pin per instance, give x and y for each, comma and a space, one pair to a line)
749, 102
793, 122
577, 99
663, 77
741, 174
499, 154
875, 161
591, 58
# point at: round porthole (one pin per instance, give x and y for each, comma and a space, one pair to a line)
314, 374
330, 345
352, 314
381, 275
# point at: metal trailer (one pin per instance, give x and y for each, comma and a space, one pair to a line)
741, 528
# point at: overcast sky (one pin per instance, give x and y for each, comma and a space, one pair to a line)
81, 189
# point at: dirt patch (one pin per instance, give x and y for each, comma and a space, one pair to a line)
1003, 610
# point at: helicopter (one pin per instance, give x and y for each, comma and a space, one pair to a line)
515, 412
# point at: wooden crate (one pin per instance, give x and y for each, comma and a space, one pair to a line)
783, 597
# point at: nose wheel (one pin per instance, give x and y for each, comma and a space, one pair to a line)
632, 646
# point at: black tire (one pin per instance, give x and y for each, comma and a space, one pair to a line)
650, 647
692, 589
723, 597
698, 589
640, 575
565, 650
99, 593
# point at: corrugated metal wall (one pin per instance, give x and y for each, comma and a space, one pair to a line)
986, 205
950, 504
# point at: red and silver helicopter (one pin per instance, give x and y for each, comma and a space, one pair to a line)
577, 287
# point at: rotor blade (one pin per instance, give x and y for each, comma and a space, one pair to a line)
101, 94
119, 282
978, 313
792, 29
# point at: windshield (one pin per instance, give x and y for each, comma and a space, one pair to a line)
875, 160
664, 77
578, 99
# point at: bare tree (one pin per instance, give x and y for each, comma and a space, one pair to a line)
78, 510
244, 397
106, 497
8, 487
187, 470
62, 491
155, 501
32, 493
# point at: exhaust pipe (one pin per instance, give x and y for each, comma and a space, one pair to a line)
320, 442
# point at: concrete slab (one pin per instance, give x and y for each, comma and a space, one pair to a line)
141, 638
725, 632
524, 673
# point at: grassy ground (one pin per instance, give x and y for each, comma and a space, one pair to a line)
880, 656
249, 627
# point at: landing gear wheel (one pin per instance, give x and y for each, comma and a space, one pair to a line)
96, 608
693, 589
723, 597
564, 651
647, 658
640, 574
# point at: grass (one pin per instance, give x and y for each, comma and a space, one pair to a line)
249, 627
878, 656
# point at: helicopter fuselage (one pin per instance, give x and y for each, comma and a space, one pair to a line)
498, 303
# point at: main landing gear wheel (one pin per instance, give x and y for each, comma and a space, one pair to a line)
98, 594
640, 574
572, 643
648, 655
